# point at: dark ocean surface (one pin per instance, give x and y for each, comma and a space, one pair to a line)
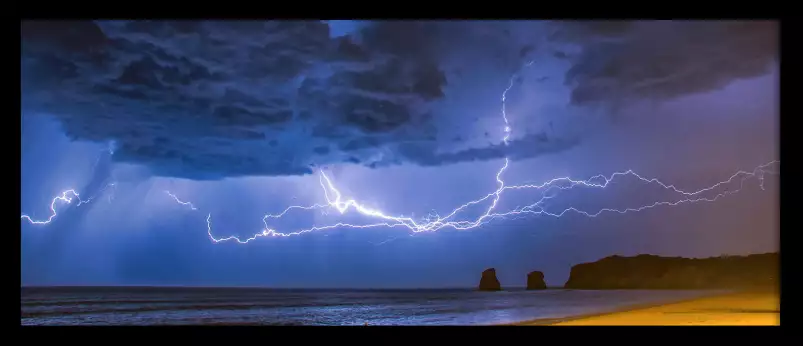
184, 305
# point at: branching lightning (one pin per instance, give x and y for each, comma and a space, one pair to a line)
434, 222
67, 196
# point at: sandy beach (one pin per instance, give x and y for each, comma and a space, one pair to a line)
737, 309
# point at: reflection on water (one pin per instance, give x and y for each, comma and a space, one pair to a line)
151, 305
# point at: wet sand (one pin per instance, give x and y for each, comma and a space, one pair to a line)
735, 309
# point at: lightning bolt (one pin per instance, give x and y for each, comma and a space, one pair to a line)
192, 207
68, 196
434, 222
536, 208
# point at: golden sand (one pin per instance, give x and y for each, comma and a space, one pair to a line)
742, 309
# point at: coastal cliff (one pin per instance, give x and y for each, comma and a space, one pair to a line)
655, 272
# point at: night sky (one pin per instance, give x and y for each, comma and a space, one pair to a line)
239, 118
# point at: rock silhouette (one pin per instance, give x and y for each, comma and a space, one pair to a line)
488, 281
655, 272
535, 281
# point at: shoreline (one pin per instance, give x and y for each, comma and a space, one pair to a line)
761, 307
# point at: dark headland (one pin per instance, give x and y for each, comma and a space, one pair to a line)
753, 282
757, 271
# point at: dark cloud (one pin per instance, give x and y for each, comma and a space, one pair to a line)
527, 147
206, 100
626, 60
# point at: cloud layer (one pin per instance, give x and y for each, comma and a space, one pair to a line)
207, 100
623, 61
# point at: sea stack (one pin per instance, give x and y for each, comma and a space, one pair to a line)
535, 281
489, 282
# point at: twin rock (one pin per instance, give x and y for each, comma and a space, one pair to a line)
489, 282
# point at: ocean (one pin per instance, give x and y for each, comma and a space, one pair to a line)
260, 306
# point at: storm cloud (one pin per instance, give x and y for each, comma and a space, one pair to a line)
208, 100
620, 61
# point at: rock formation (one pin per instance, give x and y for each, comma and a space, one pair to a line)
535, 281
488, 281
654, 272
